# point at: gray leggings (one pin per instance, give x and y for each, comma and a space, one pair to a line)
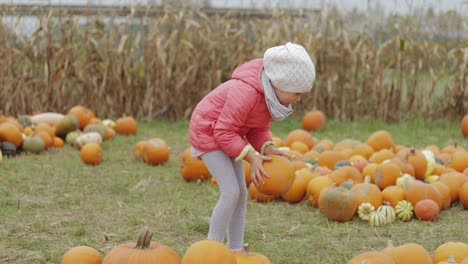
229, 212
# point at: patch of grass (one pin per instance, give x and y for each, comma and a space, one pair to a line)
52, 201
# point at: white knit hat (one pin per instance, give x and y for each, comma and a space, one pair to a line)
289, 68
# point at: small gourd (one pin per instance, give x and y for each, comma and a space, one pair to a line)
404, 210
377, 219
72, 136
387, 210
365, 210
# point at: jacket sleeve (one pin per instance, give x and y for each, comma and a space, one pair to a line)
238, 105
258, 136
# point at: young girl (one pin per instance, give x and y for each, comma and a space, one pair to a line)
232, 123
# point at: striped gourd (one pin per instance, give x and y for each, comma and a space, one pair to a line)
404, 210
377, 219
387, 210
364, 211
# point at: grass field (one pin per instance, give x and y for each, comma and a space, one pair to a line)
52, 201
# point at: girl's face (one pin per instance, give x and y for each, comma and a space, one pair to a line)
286, 98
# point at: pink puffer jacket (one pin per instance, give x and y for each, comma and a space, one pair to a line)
233, 115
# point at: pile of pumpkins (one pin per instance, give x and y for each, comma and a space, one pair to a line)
212, 252
147, 251
377, 180
79, 127
449, 252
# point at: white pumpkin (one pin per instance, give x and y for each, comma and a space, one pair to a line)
90, 137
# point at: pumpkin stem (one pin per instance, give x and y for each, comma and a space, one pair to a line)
144, 239
246, 251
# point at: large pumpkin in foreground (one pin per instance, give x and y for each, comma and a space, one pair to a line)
456, 250
208, 252
281, 172
81, 255
249, 257
409, 253
144, 251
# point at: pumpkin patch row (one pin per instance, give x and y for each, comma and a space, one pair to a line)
389, 181
213, 252
79, 128
409, 253
147, 251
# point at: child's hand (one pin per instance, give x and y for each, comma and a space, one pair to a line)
256, 167
272, 150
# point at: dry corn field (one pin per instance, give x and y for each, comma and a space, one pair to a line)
159, 66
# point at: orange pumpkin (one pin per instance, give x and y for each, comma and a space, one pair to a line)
328, 158
296, 192
386, 174
380, 140
324, 144
364, 150
346, 173
372, 257
192, 168
138, 149
464, 126
405, 166
463, 195
369, 170
81, 254
367, 192
91, 154
208, 252
299, 146
315, 187
126, 125
444, 192
156, 151
249, 257
255, 195
409, 253
454, 181
456, 250
83, 114
381, 156
144, 251
419, 191
46, 128
459, 161
426, 210
10, 133
281, 173
48, 140
419, 162
299, 135
58, 142
393, 194
338, 203
313, 120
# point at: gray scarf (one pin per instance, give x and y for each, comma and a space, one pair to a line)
277, 110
